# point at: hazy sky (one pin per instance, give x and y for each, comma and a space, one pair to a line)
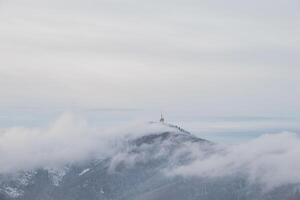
210, 58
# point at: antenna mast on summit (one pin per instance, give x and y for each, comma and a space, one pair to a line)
162, 119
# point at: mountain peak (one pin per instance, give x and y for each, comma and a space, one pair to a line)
170, 131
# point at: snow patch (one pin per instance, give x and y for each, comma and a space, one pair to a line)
84, 171
102, 191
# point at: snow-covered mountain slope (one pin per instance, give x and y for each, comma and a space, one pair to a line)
138, 170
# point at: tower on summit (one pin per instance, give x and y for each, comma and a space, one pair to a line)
162, 119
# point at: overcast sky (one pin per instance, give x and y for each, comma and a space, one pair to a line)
196, 57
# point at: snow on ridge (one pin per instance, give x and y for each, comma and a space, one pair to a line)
57, 175
13, 192
25, 178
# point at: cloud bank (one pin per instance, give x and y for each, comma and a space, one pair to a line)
271, 160
68, 139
